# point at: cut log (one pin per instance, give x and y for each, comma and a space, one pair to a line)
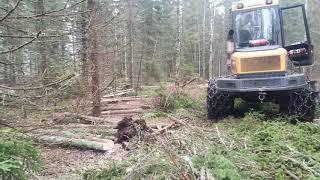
103, 145
123, 99
130, 111
86, 126
119, 93
125, 107
67, 118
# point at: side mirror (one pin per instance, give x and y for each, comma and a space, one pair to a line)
230, 35
230, 43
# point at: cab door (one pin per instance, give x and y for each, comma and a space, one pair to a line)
295, 35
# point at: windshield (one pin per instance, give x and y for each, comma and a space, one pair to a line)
257, 28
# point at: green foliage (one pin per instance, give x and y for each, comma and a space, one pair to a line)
172, 101
275, 147
269, 108
155, 74
221, 167
120, 170
18, 158
186, 71
317, 113
113, 172
155, 113
241, 106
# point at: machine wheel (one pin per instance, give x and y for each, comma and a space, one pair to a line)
300, 103
219, 104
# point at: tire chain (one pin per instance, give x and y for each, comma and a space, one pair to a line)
303, 102
221, 100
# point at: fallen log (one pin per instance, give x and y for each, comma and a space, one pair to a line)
86, 126
101, 145
119, 93
125, 107
68, 118
130, 111
123, 99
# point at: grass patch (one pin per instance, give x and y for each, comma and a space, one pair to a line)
113, 172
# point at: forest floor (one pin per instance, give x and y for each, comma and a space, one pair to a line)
61, 162
183, 144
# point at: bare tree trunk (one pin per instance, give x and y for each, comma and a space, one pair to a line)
212, 14
130, 49
178, 41
125, 63
41, 46
93, 55
204, 39
83, 49
199, 44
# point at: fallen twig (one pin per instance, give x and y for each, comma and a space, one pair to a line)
292, 175
163, 130
220, 138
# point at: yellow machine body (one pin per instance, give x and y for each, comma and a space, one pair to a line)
266, 61
259, 61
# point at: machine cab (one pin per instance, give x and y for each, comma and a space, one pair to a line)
265, 36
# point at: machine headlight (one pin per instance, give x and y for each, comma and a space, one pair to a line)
240, 6
268, 1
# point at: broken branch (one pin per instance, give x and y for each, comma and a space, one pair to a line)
39, 87
23, 45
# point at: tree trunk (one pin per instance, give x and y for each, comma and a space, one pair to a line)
43, 66
199, 44
212, 14
178, 41
204, 39
83, 49
125, 63
93, 55
130, 49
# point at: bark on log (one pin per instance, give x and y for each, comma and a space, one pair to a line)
120, 93
67, 118
125, 107
101, 145
124, 99
131, 111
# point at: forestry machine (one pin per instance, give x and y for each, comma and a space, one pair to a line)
267, 47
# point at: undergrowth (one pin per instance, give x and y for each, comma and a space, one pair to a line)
171, 100
18, 158
253, 147
263, 144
